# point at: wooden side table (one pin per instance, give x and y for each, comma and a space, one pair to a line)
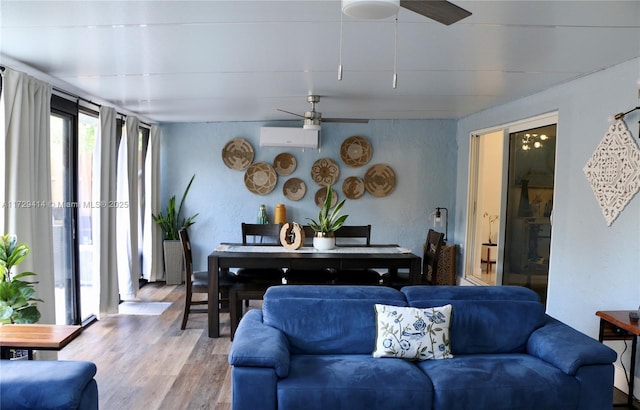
616, 325
489, 261
36, 337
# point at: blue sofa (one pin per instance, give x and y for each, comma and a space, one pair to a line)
310, 347
43, 384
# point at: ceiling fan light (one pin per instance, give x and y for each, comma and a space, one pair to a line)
370, 9
311, 125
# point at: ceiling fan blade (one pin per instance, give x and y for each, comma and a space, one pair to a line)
351, 120
292, 113
441, 11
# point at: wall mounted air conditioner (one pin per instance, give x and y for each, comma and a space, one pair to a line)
288, 137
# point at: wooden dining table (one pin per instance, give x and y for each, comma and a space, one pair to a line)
226, 256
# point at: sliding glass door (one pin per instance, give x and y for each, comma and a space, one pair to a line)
72, 150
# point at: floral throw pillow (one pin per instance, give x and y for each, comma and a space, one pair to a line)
413, 333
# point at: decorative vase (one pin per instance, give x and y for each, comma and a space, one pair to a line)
324, 241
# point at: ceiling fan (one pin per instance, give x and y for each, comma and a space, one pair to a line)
441, 11
313, 118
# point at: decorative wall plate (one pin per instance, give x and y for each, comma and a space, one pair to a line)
237, 154
260, 178
321, 194
294, 189
380, 180
285, 164
325, 172
356, 151
353, 187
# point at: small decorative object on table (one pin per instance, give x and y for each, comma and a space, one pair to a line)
328, 222
262, 215
280, 214
292, 236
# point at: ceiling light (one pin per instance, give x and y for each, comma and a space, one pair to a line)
370, 9
311, 125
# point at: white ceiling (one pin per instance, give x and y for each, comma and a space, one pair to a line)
200, 61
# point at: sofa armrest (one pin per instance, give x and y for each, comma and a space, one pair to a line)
258, 345
567, 348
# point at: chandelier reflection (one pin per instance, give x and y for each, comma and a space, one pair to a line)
533, 141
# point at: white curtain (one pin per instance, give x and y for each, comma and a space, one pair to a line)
104, 218
26, 169
152, 266
127, 217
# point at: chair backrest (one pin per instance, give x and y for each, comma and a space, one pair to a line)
268, 234
345, 231
186, 252
435, 241
355, 231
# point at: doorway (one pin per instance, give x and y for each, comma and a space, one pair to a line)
511, 182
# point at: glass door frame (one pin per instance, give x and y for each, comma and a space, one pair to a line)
472, 216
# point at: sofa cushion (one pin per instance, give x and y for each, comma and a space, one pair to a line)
413, 333
353, 382
499, 382
327, 319
499, 323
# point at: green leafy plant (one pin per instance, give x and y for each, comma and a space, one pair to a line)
17, 297
328, 220
170, 222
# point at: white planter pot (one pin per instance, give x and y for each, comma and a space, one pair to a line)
324, 243
173, 262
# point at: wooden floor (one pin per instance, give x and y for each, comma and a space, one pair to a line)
147, 362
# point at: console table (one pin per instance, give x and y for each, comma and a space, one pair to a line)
616, 325
36, 337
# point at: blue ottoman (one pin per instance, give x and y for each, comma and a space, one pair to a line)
41, 384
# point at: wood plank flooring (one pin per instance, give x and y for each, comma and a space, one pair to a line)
147, 362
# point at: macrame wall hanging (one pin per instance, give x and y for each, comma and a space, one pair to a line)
614, 170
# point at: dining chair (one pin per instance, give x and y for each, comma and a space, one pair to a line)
430, 253
262, 234
198, 282
252, 283
355, 234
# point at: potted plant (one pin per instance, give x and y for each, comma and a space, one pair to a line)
170, 223
17, 297
328, 222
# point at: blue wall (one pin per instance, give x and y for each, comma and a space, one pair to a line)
422, 154
592, 266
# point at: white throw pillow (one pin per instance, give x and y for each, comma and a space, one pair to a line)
413, 333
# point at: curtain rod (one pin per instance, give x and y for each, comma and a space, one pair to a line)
59, 90
90, 102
